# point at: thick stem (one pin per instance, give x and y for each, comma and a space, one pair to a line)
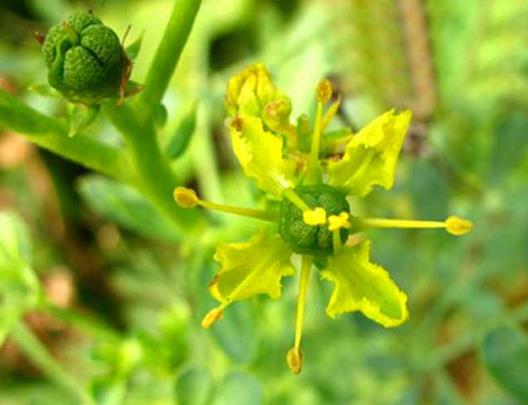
51, 134
39, 355
169, 51
152, 172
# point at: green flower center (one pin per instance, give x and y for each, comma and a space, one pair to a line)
309, 239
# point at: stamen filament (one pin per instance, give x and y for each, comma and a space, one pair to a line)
294, 356
187, 198
291, 195
454, 225
316, 135
245, 212
399, 223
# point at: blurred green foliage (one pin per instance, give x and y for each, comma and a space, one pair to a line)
131, 333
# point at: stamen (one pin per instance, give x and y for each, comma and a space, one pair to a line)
211, 317
316, 140
294, 356
454, 225
336, 222
315, 217
330, 114
187, 198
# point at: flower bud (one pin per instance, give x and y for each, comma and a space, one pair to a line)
276, 114
249, 92
85, 59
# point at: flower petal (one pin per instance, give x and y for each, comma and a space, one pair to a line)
364, 286
260, 155
370, 156
251, 268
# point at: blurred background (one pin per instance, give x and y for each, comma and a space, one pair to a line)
127, 292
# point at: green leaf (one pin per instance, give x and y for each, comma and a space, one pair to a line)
194, 386
371, 155
19, 287
363, 286
260, 155
182, 136
81, 117
126, 206
505, 354
133, 49
239, 389
237, 333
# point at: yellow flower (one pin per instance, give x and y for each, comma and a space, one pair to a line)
313, 218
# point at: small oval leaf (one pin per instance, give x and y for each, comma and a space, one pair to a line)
180, 140
505, 354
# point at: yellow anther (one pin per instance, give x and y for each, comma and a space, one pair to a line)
336, 222
185, 197
324, 91
211, 317
294, 360
458, 226
317, 216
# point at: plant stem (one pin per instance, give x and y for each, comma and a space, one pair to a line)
39, 355
152, 172
51, 134
169, 51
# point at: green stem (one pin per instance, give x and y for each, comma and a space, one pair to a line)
153, 174
39, 355
169, 51
51, 134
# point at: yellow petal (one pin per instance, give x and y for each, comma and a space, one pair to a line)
371, 155
251, 268
364, 286
260, 155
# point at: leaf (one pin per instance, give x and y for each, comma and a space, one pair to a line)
133, 49
19, 287
260, 155
371, 155
81, 117
237, 334
239, 389
194, 386
126, 206
251, 268
363, 286
505, 354
181, 138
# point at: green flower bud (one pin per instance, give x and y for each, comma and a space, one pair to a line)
309, 239
85, 59
249, 92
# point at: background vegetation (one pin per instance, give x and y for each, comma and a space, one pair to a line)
101, 295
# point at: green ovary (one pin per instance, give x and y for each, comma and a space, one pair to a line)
309, 239
85, 59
